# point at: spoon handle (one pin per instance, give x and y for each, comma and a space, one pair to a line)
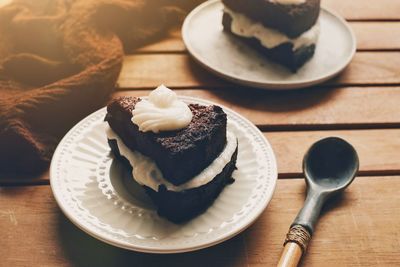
295, 245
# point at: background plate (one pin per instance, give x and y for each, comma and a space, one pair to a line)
222, 54
98, 194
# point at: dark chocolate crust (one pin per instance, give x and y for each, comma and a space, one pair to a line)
292, 20
182, 206
180, 155
282, 54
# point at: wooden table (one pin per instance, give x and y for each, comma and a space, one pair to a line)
362, 105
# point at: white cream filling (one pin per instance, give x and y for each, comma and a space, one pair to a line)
270, 38
146, 172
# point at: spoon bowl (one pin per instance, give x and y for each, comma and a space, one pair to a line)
330, 165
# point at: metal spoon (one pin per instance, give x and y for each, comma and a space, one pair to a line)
329, 166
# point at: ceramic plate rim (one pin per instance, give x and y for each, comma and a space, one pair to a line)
246, 221
275, 86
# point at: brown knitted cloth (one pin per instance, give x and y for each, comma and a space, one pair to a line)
59, 61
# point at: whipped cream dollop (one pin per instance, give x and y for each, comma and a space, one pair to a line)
269, 38
145, 170
288, 2
161, 111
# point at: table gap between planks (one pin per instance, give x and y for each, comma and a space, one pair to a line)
361, 105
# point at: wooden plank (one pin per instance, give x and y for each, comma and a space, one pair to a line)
10, 179
314, 108
177, 70
378, 150
36, 233
369, 35
362, 230
180, 71
171, 43
371, 68
377, 35
365, 10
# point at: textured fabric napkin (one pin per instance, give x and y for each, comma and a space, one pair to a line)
59, 61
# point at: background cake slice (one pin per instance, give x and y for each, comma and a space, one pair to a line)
284, 31
180, 154
291, 17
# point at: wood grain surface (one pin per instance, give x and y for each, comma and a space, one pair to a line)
361, 230
370, 36
377, 35
378, 151
365, 9
180, 71
362, 105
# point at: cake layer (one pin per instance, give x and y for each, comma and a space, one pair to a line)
268, 37
284, 54
290, 19
184, 205
145, 171
180, 155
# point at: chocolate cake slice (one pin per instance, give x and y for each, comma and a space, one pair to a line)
181, 206
284, 31
290, 19
284, 54
180, 154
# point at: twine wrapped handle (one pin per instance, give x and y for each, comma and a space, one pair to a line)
295, 246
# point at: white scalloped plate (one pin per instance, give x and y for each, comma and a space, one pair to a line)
98, 194
223, 55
